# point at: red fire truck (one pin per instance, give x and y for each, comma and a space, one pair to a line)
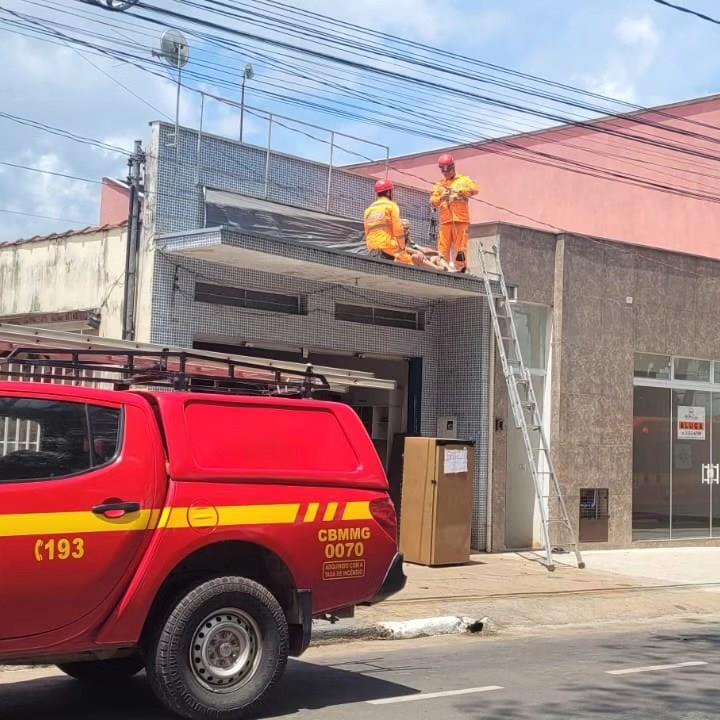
191, 519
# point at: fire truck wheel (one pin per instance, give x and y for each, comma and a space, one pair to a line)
104, 671
220, 650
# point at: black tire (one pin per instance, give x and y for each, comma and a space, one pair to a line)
114, 670
230, 615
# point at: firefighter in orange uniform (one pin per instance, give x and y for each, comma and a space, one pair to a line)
451, 196
385, 233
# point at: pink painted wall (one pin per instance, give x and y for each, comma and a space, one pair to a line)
552, 198
114, 202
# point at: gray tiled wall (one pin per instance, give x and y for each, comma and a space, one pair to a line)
454, 346
228, 165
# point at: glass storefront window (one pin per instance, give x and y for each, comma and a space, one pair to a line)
717, 371
692, 370
651, 464
652, 366
676, 440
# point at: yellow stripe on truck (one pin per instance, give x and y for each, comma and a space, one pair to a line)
357, 511
259, 514
64, 523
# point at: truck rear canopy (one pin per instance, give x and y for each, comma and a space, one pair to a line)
267, 440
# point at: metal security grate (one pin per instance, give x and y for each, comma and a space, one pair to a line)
251, 299
18, 435
368, 315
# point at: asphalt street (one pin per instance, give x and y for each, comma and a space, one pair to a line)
671, 672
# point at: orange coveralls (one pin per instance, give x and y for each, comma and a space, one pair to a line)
454, 217
384, 231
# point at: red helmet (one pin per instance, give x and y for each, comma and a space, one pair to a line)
382, 186
446, 160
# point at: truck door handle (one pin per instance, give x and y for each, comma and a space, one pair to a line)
114, 510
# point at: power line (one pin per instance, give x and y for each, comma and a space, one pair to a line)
665, 128
697, 14
49, 172
585, 168
352, 45
67, 134
43, 217
455, 91
67, 44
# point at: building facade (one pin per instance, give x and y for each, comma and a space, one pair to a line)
619, 336
606, 178
230, 289
69, 281
624, 345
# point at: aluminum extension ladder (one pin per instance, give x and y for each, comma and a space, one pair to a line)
525, 410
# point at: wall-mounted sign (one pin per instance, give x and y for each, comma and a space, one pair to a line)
456, 461
691, 422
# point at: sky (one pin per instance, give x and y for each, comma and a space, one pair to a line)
633, 50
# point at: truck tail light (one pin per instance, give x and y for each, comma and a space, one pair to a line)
383, 511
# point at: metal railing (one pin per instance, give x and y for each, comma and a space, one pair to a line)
275, 120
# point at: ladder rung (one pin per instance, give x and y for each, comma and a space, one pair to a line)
488, 252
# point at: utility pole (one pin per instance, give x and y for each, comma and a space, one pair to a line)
135, 164
248, 74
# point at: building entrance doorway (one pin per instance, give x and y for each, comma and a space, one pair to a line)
676, 448
522, 517
676, 458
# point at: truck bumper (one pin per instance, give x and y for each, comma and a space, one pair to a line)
394, 581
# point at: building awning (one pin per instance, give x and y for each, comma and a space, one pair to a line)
278, 255
67, 320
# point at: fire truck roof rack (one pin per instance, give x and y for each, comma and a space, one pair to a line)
171, 369
210, 363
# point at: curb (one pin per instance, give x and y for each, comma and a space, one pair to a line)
403, 630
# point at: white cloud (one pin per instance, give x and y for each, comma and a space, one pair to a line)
424, 20
638, 41
638, 32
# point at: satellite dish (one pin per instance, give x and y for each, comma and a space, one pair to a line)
174, 48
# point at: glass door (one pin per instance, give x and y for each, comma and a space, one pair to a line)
690, 510
651, 464
715, 461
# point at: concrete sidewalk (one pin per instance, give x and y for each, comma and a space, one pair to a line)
517, 593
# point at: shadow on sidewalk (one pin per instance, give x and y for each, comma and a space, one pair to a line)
305, 687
